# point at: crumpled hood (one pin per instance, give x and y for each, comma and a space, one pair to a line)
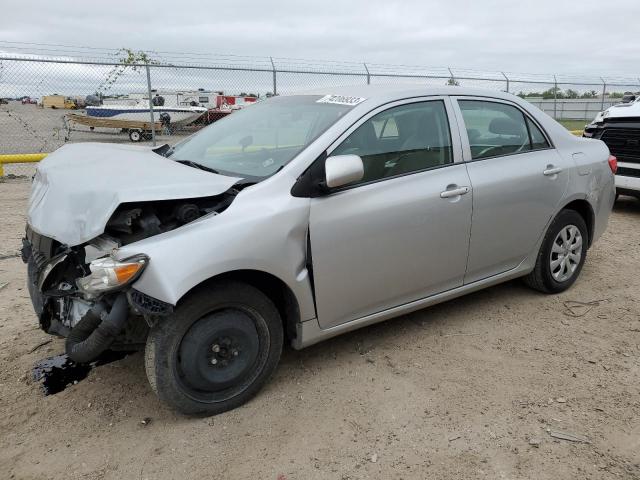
77, 188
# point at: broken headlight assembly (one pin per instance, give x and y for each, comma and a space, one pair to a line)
108, 274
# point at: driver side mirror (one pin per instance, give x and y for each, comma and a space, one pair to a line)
342, 170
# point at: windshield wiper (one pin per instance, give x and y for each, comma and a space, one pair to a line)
193, 164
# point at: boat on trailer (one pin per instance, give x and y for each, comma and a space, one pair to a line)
170, 115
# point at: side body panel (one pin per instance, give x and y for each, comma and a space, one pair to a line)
513, 201
388, 243
252, 234
512, 204
593, 181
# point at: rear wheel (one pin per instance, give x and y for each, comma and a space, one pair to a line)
562, 254
216, 350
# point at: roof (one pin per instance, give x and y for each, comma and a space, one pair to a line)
386, 93
377, 95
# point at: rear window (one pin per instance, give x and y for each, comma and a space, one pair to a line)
496, 129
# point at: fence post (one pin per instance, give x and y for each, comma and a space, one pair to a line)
555, 98
586, 109
275, 82
507, 79
368, 75
153, 122
604, 91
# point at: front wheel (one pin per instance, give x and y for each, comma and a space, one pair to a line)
216, 350
562, 254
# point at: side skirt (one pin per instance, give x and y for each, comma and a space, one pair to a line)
309, 332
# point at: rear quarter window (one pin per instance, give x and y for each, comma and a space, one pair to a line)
497, 129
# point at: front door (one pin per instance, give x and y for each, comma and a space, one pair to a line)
402, 233
518, 180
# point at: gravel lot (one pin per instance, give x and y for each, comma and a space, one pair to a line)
473, 388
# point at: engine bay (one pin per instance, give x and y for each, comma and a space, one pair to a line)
54, 268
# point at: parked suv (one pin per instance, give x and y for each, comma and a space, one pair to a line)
300, 218
619, 127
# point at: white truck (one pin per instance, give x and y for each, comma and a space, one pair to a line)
619, 127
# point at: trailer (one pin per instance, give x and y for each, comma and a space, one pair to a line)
137, 130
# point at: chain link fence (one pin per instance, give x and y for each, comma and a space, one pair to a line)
45, 99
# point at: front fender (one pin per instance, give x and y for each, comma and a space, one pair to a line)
249, 235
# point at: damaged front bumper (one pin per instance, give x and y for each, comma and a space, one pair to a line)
92, 322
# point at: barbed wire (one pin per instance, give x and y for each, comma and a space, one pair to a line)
79, 53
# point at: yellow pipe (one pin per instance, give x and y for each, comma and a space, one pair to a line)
20, 158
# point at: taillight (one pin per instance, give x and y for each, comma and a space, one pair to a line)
613, 164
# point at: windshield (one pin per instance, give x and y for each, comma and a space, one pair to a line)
260, 139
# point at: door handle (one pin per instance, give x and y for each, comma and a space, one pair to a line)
454, 192
551, 170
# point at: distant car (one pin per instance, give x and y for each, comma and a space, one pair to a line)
619, 127
29, 101
301, 218
4, 101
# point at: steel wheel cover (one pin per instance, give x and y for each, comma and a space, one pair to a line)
566, 253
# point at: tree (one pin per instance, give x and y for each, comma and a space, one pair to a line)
569, 93
130, 60
553, 92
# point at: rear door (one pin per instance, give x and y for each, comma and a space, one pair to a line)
518, 179
402, 233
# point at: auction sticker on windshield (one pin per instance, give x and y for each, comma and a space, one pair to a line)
341, 100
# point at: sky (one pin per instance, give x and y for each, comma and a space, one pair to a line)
546, 36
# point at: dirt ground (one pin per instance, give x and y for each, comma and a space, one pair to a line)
473, 388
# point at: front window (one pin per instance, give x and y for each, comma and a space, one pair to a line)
260, 139
401, 140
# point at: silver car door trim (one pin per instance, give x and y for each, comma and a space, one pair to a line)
455, 192
551, 170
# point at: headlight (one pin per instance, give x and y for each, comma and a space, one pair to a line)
110, 274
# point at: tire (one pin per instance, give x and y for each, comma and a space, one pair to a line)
135, 135
556, 279
216, 350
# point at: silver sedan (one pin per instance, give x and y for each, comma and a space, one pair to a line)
302, 217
